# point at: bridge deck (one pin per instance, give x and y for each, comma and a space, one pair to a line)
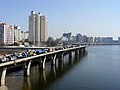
36, 56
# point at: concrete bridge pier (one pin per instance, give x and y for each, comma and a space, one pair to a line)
42, 63
76, 52
53, 62
3, 75
61, 56
70, 55
80, 50
83, 49
61, 66
27, 68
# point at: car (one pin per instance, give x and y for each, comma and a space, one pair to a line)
40, 51
2, 59
20, 55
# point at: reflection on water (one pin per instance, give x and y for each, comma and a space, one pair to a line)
3, 88
26, 83
42, 79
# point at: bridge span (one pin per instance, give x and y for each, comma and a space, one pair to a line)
26, 62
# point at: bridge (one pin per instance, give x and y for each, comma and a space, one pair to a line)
26, 62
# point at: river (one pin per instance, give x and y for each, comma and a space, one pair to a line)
97, 69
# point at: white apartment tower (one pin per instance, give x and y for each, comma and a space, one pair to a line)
37, 29
6, 34
17, 34
43, 28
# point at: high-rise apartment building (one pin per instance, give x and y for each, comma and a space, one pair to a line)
67, 35
26, 35
17, 34
6, 34
119, 40
79, 38
90, 40
43, 28
37, 29
84, 39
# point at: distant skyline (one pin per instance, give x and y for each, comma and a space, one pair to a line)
88, 17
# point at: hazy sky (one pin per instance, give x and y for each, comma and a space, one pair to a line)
89, 17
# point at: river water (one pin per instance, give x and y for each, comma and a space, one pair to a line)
96, 69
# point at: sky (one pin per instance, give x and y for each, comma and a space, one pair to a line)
87, 17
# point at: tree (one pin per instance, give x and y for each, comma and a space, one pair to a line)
51, 42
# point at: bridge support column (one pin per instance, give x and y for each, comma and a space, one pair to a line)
43, 63
3, 76
80, 50
61, 66
54, 60
62, 56
83, 49
27, 68
70, 58
76, 52
70, 55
